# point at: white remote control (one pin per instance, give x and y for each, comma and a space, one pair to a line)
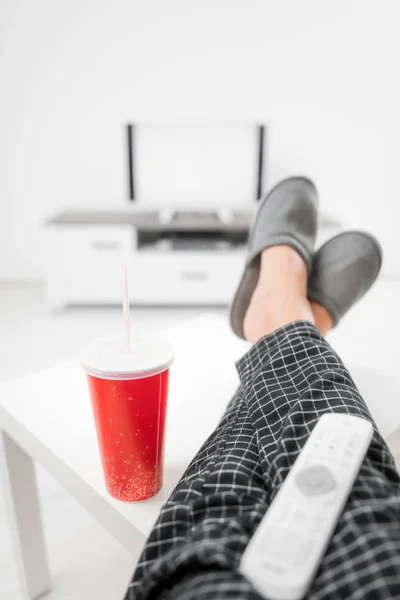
284, 553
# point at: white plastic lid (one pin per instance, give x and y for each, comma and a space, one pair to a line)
107, 358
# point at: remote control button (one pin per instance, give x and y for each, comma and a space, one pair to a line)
278, 545
304, 552
315, 480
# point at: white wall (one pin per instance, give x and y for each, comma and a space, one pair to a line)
323, 74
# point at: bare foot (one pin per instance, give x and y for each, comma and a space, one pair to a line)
280, 296
322, 317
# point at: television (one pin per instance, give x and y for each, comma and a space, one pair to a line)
196, 164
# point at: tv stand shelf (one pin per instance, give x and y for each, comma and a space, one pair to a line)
174, 257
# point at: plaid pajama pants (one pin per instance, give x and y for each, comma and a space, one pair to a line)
288, 380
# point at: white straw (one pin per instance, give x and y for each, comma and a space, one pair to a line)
125, 305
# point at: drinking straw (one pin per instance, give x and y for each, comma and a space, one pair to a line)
126, 311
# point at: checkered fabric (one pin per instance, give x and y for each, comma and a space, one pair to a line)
288, 380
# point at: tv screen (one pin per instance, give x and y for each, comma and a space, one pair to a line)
203, 164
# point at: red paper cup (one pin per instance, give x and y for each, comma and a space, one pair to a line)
129, 399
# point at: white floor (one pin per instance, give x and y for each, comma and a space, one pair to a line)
86, 562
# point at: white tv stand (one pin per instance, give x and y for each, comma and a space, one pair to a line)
188, 257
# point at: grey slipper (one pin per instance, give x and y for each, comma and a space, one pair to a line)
287, 216
344, 269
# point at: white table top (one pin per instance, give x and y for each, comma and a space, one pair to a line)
49, 414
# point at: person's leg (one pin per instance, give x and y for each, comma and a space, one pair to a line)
289, 378
217, 505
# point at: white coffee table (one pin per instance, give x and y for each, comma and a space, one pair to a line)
46, 417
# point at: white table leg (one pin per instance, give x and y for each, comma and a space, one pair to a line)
22, 503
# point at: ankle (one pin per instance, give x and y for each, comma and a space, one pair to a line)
322, 317
282, 271
280, 294
268, 314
